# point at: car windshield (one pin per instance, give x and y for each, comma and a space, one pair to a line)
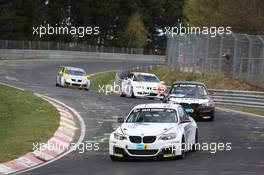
146, 78
188, 90
152, 116
75, 72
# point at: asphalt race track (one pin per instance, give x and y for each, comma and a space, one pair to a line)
245, 133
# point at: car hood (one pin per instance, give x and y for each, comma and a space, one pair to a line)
183, 99
147, 84
76, 77
146, 129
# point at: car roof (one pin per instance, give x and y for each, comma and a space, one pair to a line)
74, 68
189, 82
157, 105
142, 73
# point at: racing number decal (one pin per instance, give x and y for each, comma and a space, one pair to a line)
142, 146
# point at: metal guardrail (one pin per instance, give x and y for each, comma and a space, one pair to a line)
97, 56
252, 99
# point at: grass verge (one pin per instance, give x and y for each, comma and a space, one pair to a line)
24, 119
213, 81
243, 109
100, 79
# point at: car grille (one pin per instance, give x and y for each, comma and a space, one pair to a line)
152, 94
194, 106
74, 80
142, 152
135, 139
146, 139
149, 139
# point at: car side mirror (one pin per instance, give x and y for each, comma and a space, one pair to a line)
161, 82
120, 120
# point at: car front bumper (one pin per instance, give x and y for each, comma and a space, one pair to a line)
80, 83
158, 149
198, 111
146, 93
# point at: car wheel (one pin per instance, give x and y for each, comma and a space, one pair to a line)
114, 158
212, 117
131, 93
122, 94
87, 88
183, 152
196, 141
62, 82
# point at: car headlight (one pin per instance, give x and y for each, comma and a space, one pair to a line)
86, 77
118, 136
210, 103
168, 136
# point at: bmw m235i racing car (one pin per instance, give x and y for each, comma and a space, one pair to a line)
72, 76
139, 84
194, 97
156, 130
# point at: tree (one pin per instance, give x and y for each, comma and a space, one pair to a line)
245, 16
17, 18
136, 33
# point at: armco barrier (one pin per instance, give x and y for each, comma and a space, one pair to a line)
231, 97
61, 54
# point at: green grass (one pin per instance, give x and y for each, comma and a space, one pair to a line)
161, 72
165, 74
243, 109
213, 81
24, 119
101, 79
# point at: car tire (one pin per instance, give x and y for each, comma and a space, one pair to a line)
196, 141
212, 117
183, 152
87, 88
114, 158
62, 83
131, 93
122, 94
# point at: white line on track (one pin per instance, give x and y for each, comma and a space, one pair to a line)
239, 112
80, 140
11, 78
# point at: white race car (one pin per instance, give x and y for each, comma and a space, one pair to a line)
154, 130
72, 76
138, 84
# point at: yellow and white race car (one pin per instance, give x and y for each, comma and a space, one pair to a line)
72, 76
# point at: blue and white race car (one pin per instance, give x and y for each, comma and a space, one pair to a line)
154, 130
